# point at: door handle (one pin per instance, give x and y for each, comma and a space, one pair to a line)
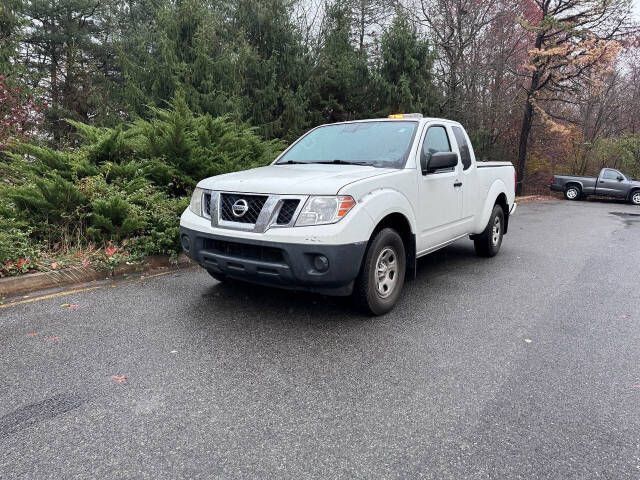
457, 184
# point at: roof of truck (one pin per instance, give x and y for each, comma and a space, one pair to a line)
413, 117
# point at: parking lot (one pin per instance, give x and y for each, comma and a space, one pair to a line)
524, 365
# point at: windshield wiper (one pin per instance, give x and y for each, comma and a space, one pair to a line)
337, 161
291, 162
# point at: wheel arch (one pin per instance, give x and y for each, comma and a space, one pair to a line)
401, 224
504, 204
574, 183
497, 193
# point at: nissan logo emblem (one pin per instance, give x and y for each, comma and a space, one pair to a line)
240, 208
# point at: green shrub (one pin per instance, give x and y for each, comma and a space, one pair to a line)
124, 186
15, 241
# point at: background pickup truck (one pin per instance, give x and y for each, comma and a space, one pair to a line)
610, 183
349, 207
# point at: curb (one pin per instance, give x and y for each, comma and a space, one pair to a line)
534, 198
31, 282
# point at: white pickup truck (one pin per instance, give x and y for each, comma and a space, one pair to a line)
349, 207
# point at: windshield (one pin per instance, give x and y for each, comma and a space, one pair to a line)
378, 144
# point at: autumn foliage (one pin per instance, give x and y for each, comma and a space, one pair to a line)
19, 114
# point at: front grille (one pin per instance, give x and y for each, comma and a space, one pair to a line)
286, 211
206, 205
254, 202
245, 250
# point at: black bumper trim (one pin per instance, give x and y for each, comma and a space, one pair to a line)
286, 265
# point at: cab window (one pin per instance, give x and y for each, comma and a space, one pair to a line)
463, 146
610, 175
436, 140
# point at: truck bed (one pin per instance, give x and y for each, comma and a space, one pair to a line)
587, 184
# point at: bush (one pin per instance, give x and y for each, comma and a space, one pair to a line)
123, 186
15, 241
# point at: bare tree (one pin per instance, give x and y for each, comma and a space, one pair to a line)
574, 41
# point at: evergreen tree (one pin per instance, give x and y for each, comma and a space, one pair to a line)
67, 45
166, 47
9, 35
407, 82
276, 67
340, 86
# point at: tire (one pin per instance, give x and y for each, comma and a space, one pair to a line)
635, 197
572, 193
221, 277
487, 244
381, 277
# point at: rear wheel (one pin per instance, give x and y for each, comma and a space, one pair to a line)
572, 193
487, 244
635, 197
381, 278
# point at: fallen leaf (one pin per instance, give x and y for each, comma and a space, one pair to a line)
73, 307
52, 339
64, 305
173, 351
119, 378
528, 340
625, 315
32, 333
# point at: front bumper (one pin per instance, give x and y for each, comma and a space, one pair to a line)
288, 265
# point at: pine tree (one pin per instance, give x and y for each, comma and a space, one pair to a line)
66, 43
339, 88
406, 70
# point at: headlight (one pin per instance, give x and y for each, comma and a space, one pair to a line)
324, 210
196, 201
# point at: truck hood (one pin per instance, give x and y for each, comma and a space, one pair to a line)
309, 179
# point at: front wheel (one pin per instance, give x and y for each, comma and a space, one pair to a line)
487, 244
635, 197
381, 278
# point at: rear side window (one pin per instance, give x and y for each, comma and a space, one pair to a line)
610, 175
465, 154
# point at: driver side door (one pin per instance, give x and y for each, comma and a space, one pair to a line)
610, 184
439, 211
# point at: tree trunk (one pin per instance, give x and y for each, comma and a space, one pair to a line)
362, 26
527, 121
53, 73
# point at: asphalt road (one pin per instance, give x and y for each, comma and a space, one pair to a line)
526, 365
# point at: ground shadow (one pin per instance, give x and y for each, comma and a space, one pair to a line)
258, 302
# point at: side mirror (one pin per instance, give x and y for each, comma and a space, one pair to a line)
620, 178
439, 161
